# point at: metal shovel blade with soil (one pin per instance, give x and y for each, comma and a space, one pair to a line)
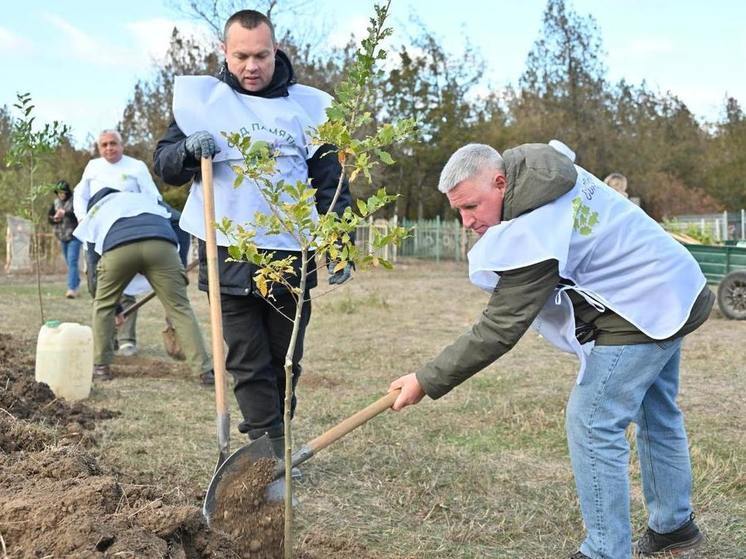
260, 450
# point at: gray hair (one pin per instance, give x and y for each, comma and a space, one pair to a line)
110, 131
467, 162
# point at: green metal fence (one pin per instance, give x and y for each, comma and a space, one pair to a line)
430, 239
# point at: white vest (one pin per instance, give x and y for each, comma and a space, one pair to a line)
615, 254
206, 103
99, 219
127, 175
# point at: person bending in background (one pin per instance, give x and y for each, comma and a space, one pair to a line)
132, 234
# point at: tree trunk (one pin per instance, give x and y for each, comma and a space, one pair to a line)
288, 535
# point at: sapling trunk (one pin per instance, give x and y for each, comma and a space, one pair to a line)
35, 243
288, 540
339, 186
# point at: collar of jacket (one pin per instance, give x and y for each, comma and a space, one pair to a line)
283, 77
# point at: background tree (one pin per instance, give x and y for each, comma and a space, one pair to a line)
726, 158
432, 88
673, 162
29, 147
563, 92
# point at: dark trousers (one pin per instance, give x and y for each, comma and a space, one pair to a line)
258, 337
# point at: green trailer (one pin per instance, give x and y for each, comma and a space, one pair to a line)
724, 266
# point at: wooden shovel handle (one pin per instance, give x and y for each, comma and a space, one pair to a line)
353, 422
216, 315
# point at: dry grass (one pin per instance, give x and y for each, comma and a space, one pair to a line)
483, 472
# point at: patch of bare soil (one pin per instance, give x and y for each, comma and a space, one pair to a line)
140, 366
24, 398
58, 500
319, 546
311, 379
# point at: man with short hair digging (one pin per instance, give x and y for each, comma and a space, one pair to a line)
565, 253
255, 93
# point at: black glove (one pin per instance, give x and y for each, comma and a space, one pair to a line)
340, 276
201, 144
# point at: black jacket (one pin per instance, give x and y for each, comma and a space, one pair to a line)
175, 167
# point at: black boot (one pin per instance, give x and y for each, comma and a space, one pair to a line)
278, 446
682, 539
207, 378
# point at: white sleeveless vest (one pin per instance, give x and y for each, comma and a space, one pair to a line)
206, 103
99, 219
615, 254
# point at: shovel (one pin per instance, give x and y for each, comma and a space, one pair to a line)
261, 449
216, 315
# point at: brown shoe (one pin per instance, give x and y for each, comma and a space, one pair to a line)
71, 294
102, 372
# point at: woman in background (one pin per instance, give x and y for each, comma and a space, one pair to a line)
63, 220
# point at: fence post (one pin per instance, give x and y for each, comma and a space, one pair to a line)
395, 248
437, 238
743, 225
725, 225
370, 235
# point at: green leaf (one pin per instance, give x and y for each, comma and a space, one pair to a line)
385, 157
362, 207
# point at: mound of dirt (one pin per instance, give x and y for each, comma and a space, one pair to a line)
58, 500
24, 398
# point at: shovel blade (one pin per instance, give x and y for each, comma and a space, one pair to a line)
236, 464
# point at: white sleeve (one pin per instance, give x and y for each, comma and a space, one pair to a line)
81, 195
145, 181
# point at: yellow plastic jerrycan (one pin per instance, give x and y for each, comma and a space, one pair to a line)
64, 359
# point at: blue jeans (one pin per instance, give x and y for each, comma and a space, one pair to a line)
624, 384
71, 252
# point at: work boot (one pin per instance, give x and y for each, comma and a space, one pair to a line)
71, 294
207, 378
579, 555
127, 349
102, 372
682, 539
278, 446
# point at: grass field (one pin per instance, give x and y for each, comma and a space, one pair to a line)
482, 473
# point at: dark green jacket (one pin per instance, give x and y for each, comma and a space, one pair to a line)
536, 175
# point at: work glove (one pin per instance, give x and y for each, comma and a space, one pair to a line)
201, 144
340, 276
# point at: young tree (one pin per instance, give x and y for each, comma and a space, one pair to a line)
28, 147
330, 236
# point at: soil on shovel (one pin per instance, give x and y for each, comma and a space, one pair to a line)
58, 499
242, 512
